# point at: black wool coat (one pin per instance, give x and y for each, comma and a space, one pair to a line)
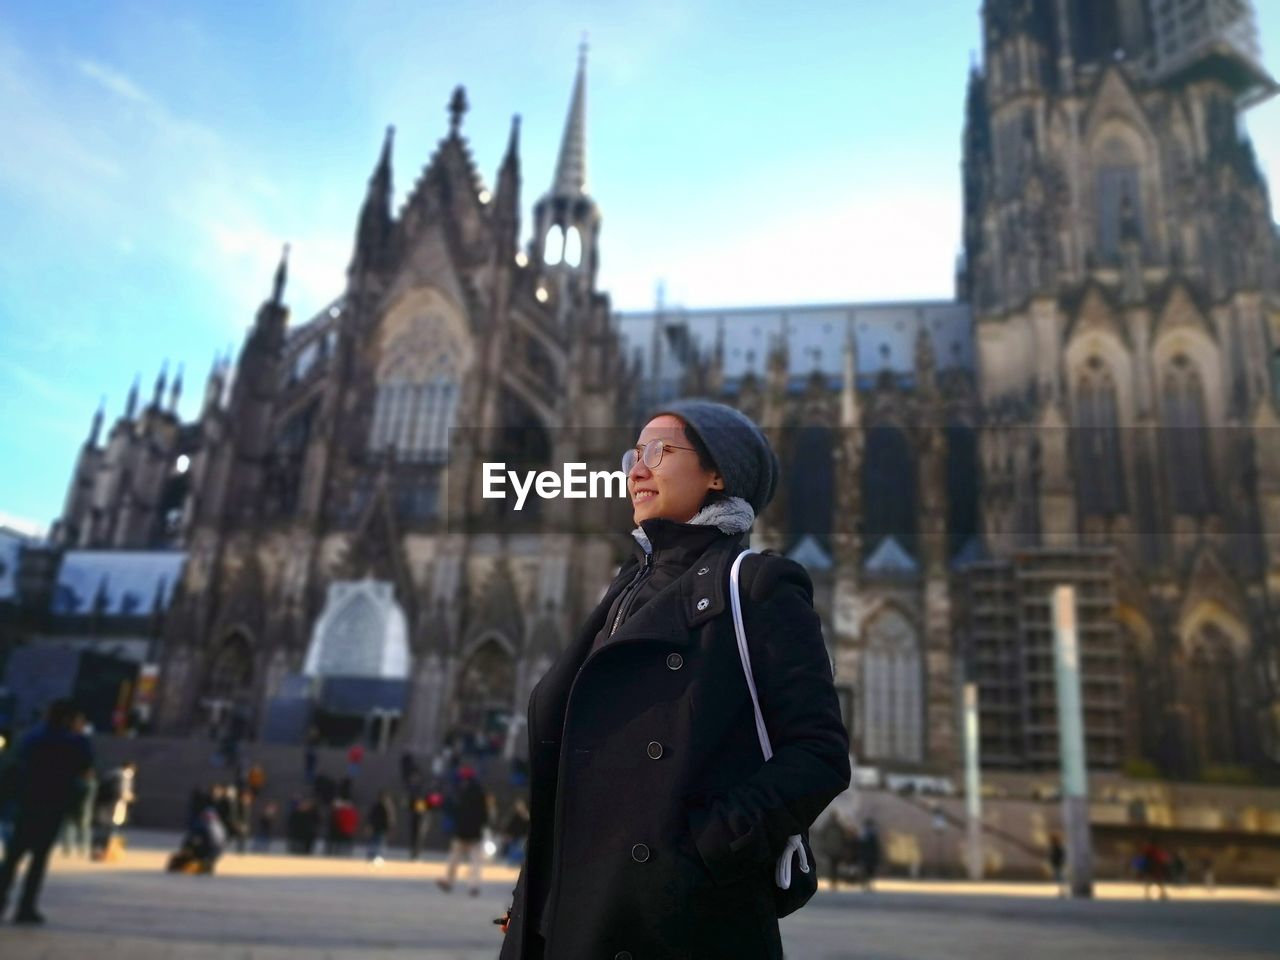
655, 822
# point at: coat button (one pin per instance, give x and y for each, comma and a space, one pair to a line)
674, 661
655, 750
622, 955
704, 571
639, 853
704, 603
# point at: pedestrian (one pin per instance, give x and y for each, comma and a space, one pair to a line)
265, 826
311, 757
380, 821
657, 828
344, 822
838, 841
515, 832
303, 826
228, 806
256, 779
410, 773
1153, 869
1058, 863
470, 817
115, 796
869, 853
49, 762
355, 757
419, 819
77, 831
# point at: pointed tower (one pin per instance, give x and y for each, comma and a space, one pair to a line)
175, 392
95, 429
373, 231
254, 390
131, 404
157, 395
506, 205
566, 219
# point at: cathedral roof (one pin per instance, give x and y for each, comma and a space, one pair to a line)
889, 557
885, 335
809, 553
122, 583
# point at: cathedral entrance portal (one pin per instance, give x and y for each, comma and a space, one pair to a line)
358, 660
229, 688
482, 702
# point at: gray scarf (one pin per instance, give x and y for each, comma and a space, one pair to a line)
731, 515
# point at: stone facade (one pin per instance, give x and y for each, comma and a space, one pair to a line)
1102, 392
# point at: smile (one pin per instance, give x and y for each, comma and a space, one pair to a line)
640, 495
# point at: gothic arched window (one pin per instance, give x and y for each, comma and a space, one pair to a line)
812, 483
1185, 435
892, 694
962, 485
1098, 459
554, 245
1118, 184
417, 398
572, 247
890, 504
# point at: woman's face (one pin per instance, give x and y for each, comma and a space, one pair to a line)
676, 488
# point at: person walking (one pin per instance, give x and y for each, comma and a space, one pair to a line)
50, 762
380, 821
265, 826
1153, 869
869, 854
470, 817
115, 796
515, 831
1058, 863
77, 830
311, 757
657, 828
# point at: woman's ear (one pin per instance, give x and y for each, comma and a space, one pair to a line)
717, 482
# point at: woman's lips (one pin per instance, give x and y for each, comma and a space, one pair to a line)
639, 496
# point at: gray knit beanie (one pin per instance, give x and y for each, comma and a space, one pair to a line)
741, 453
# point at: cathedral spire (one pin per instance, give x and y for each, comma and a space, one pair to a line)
175, 391
282, 275
571, 169
566, 221
95, 429
374, 225
508, 188
158, 393
131, 404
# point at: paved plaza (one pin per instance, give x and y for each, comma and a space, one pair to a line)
290, 908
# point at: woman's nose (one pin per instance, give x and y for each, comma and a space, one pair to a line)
640, 470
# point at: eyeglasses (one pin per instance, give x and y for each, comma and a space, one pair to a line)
650, 453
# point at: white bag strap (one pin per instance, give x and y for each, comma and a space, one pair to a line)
795, 846
735, 604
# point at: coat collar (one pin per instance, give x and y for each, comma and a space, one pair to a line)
672, 614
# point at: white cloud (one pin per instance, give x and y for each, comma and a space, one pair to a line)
114, 82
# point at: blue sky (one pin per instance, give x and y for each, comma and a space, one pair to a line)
157, 155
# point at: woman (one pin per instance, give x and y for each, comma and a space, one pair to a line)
654, 821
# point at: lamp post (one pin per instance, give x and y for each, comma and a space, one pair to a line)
1071, 747
972, 782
